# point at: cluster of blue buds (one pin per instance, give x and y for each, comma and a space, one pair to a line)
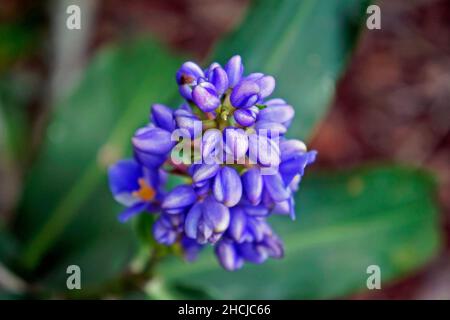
228, 141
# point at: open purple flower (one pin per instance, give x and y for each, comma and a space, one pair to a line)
135, 187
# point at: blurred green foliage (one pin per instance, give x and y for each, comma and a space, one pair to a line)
17, 40
90, 130
305, 44
346, 221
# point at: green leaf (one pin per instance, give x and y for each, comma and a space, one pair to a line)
66, 204
143, 226
8, 245
345, 222
16, 41
304, 44
10, 285
16, 92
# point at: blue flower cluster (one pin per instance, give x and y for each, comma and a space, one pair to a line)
243, 169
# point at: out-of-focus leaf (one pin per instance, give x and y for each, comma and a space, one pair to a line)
159, 289
304, 44
5, 295
12, 133
16, 41
66, 204
10, 286
143, 229
345, 222
16, 92
8, 245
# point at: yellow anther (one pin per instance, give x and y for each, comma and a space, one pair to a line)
145, 192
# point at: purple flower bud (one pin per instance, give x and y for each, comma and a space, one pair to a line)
203, 188
285, 207
255, 76
277, 111
205, 232
207, 221
228, 256
275, 187
153, 140
290, 168
217, 214
294, 184
266, 200
259, 251
162, 117
205, 97
265, 83
191, 169
204, 172
290, 148
193, 219
245, 94
219, 79
189, 73
253, 185
187, 77
263, 150
238, 224
186, 107
167, 228
266, 86
274, 246
236, 143
190, 248
149, 160
227, 186
257, 228
178, 199
270, 126
252, 252
185, 91
275, 102
254, 110
234, 69
256, 211
295, 165
212, 146
245, 117
210, 69
187, 120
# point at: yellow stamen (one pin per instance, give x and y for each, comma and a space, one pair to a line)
145, 192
